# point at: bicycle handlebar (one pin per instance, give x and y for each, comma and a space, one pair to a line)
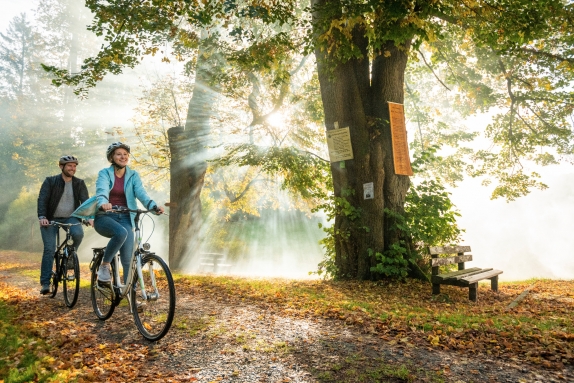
121, 209
59, 224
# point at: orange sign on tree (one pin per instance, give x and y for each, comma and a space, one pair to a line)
401, 157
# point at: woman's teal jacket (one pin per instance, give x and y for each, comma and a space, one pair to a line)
133, 188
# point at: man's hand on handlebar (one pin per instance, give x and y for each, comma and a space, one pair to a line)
44, 222
158, 210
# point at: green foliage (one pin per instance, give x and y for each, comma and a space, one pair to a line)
519, 65
333, 207
429, 220
514, 69
431, 215
394, 262
327, 267
20, 230
300, 172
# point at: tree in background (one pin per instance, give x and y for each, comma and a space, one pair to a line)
187, 143
258, 149
21, 47
39, 122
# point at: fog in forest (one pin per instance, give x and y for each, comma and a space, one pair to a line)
528, 238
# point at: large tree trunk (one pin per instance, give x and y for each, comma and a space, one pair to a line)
187, 169
355, 94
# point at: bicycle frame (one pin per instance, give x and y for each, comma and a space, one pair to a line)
65, 241
135, 263
64, 252
66, 227
153, 307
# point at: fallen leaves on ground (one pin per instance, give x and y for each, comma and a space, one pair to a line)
403, 314
538, 330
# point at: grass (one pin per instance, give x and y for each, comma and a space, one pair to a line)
353, 369
407, 309
194, 326
19, 351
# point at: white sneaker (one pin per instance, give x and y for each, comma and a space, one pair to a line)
104, 273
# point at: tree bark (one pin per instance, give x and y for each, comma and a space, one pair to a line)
188, 147
356, 93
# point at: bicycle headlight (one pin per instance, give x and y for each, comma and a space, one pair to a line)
146, 246
70, 241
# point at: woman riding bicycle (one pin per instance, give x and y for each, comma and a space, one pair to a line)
118, 185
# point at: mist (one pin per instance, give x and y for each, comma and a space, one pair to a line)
527, 238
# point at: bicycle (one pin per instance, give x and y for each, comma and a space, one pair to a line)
66, 266
149, 286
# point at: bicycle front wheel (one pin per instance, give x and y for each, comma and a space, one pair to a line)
153, 313
102, 295
71, 278
54, 278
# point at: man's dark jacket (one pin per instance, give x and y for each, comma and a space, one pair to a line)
52, 190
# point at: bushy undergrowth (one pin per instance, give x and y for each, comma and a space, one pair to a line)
19, 228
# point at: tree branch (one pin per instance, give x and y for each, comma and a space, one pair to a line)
548, 55
432, 70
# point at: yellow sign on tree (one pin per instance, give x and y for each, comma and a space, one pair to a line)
339, 144
401, 157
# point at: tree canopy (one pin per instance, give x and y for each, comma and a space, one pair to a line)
512, 61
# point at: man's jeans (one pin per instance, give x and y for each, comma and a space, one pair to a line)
49, 234
118, 227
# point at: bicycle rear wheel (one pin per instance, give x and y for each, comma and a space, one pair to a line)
71, 267
153, 316
102, 295
54, 279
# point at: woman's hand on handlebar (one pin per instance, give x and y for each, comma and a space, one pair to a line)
159, 210
106, 206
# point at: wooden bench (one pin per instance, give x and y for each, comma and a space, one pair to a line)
213, 262
463, 277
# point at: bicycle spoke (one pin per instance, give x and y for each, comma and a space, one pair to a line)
102, 296
153, 313
54, 278
71, 278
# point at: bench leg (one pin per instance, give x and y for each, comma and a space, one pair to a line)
435, 289
494, 283
472, 293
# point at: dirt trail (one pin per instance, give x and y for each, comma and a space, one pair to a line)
216, 341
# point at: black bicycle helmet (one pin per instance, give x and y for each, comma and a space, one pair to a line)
112, 148
67, 159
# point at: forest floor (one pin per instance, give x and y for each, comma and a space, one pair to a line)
244, 330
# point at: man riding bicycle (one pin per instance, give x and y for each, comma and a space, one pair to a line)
59, 196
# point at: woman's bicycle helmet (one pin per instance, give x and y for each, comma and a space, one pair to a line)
112, 148
68, 159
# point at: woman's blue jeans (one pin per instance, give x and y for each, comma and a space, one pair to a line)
117, 227
49, 234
